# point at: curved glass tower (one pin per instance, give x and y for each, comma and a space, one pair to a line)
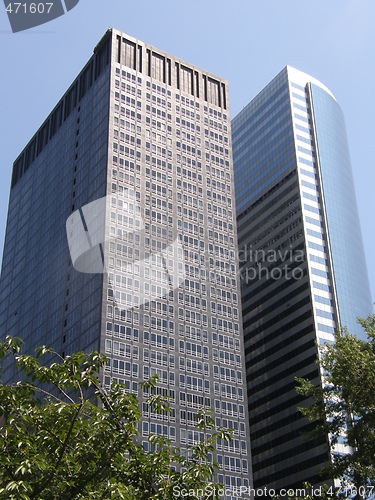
302, 262
341, 213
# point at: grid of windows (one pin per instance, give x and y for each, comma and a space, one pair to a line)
171, 154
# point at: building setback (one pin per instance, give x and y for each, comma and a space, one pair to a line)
142, 141
302, 262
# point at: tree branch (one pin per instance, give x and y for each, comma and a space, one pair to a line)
65, 444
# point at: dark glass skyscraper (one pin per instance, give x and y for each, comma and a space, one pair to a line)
121, 236
302, 262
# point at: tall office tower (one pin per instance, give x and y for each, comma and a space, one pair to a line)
301, 259
133, 168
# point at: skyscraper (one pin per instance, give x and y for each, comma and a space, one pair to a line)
133, 169
301, 258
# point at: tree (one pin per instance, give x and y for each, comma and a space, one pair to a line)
345, 407
62, 435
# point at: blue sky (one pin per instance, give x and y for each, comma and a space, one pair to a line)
245, 41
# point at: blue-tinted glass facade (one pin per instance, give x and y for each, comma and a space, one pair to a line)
263, 144
42, 299
349, 265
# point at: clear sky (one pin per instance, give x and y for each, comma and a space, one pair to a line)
245, 41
